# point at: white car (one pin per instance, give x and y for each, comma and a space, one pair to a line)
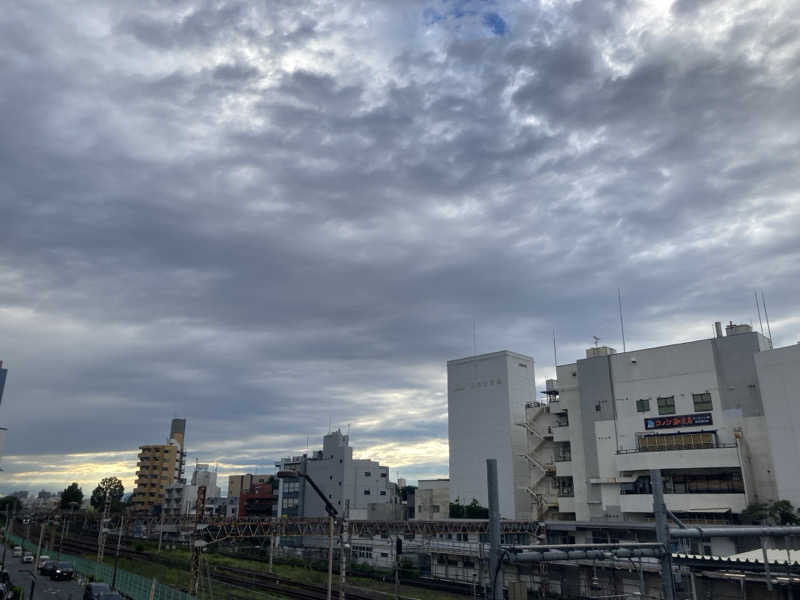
27, 557
42, 559
17, 553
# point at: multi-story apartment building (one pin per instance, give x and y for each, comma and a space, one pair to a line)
339, 476
486, 399
180, 498
158, 466
719, 417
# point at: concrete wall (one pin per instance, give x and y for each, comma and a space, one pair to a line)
486, 398
779, 379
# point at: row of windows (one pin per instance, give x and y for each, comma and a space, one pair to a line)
666, 404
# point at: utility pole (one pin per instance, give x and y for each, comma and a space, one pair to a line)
161, 530
101, 536
343, 548
194, 564
61, 538
662, 534
116, 556
495, 564
5, 538
331, 524
39, 545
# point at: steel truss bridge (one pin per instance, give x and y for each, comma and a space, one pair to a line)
216, 530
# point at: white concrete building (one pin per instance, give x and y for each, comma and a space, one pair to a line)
486, 398
432, 499
719, 417
339, 476
180, 498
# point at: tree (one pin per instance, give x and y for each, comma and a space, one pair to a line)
115, 490
780, 512
12, 502
72, 493
473, 510
406, 491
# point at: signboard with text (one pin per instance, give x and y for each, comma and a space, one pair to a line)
668, 422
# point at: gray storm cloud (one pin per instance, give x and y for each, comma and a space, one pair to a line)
268, 217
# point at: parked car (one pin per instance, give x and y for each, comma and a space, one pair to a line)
43, 559
62, 571
93, 591
47, 568
27, 557
17, 553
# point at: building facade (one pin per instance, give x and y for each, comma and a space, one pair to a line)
158, 467
347, 482
239, 483
432, 499
486, 399
718, 417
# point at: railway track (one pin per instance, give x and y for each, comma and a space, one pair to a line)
259, 579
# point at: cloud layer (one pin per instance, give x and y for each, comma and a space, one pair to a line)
274, 217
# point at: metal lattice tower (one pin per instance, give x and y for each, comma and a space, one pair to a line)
194, 564
101, 537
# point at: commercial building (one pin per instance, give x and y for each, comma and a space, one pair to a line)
719, 417
432, 499
486, 399
158, 467
346, 481
239, 483
258, 502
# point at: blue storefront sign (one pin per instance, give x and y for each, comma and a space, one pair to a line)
671, 421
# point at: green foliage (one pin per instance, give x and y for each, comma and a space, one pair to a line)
473, 510
780, 512
72, 493
115, 490
12, 502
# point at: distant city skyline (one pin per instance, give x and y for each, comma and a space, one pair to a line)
272, 219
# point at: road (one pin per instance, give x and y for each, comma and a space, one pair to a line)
45, 588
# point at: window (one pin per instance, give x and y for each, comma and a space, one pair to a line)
383, 492
367, 492
435, 508
367, 473
666, 405
384, 554
702, 402
643, 405
383, 474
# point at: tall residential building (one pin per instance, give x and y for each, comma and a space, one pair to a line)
159, 466
719, 417
244, 483
486, 398
340, 477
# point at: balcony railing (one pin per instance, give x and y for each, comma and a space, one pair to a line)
562, 458
676, 445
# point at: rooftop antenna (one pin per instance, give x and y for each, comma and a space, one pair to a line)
758, 309
766, 316
621, 322
596, 339
474, 337
329, 423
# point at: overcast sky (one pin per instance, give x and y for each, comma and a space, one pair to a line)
272, 217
